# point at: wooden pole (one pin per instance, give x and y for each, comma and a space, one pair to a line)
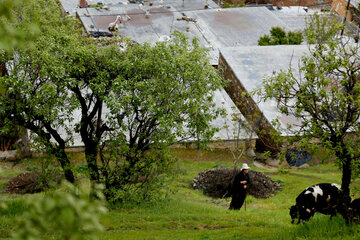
346, 12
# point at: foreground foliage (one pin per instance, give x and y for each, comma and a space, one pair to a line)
65, 214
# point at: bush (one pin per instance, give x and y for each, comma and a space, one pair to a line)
233, 4
264, 40
135, 177
294, 38
279, 37
67, 214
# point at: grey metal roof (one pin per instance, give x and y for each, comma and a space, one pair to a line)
355, 3
228, 127
214, 27
235, 26
251, 64
70, 6
294, 16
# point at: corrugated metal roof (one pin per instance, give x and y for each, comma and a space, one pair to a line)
214, 27
355, 3
251, 64
294, 16
70, 6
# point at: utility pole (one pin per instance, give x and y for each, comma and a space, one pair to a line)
346, 12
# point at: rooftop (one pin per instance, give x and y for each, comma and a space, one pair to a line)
252, 64
215, 28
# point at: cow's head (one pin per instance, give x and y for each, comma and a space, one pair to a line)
294, 213
305, 214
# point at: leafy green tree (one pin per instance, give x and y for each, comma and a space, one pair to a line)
154, 95
279, 37
325, 96
164, 96
35, 92
91, 74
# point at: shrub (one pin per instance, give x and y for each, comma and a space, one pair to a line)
294, 38
135, 177
233, 4
279, 37
264, 40
67, 214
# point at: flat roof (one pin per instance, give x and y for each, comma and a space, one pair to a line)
294, 16
215, 28
252, 64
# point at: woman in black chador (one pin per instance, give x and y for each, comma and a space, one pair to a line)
239, 187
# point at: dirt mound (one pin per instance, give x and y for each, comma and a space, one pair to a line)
24, 183
217, 183
29, 182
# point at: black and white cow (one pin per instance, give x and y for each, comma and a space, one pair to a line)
321, 198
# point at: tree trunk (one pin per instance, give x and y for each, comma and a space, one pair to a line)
345, 198
65, 164
91, 155
3, 71
346, 177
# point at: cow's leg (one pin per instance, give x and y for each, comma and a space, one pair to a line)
332, 213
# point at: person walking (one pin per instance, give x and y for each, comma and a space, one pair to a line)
240, 185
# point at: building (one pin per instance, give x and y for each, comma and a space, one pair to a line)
246, 68
216, 28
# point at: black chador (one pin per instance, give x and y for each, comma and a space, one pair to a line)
239, 188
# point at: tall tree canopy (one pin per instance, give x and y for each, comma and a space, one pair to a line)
325, 94
152, 95
164, 96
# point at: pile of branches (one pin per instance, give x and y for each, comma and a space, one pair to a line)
217, 183
31, 182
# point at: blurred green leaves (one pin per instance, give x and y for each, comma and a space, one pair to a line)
66, 214
11, 35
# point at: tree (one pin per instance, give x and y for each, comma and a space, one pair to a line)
34, 96
164, 96
153, 95
90, 77
325, 95
279, 37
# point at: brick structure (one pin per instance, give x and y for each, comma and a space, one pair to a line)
83, 4
307, 3
339, 6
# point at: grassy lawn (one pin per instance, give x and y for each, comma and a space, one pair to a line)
188, 214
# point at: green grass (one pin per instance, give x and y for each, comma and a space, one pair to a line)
188, 214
